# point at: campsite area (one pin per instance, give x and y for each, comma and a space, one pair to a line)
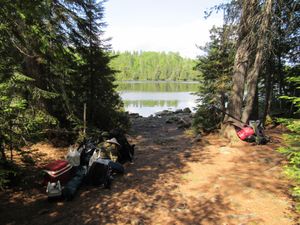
175, 179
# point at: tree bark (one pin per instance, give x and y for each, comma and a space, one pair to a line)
2, 152
268, 86
255, 111
238, 80
256, 68
241, 61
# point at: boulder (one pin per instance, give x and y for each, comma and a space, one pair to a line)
187, 110
164, 113
184, 123
134, 115
178, 111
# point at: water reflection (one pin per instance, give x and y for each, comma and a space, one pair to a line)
147, 98
150, 103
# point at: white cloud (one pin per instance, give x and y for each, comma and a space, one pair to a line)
182, 38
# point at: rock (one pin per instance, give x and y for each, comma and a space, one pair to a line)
226, 150
164, 113
134, 115
172, 119
169, 120
187, 110
184, 123
178, 111
197, 138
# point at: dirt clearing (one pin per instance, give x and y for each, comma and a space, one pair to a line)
173, 180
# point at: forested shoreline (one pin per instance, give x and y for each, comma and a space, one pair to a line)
57, 68
146, 65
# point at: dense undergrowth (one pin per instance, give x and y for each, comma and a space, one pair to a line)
292, 150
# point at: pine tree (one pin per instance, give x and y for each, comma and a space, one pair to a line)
215, 80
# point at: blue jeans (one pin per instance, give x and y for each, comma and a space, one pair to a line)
115, 166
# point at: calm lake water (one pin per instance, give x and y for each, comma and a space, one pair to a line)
146, 98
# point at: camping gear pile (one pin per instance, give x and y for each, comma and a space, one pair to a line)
254, 132
251, 132
93, 162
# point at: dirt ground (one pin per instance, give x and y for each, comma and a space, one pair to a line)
175, 179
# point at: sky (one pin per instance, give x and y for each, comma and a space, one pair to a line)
160, 25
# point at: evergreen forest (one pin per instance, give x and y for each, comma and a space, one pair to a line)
53, 62
153, 66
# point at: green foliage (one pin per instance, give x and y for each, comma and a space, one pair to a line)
52, 61
153, 66
215, 68
206, 119
18, 121
58, 47
296, 81
4, 176
292, 146
158, 86
292, 151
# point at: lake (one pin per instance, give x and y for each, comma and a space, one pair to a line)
149, 97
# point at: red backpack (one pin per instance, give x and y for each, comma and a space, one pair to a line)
245, 132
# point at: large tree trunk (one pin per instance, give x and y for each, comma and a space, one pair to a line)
238, 80
241, 61
256, 68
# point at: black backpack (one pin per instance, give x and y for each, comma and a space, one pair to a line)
260, 137
86, 150
99, 174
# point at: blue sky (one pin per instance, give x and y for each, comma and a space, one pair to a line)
159, 25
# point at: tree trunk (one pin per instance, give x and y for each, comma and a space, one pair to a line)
255, 111
238, 80
256, 68
2, 152
241, 61
268, 86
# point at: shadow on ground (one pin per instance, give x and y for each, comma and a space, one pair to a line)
149, 191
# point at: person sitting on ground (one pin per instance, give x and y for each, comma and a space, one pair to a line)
109, 155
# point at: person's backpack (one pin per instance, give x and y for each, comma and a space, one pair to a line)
245, 133
86, 150
73, 156
99, 174
260, 137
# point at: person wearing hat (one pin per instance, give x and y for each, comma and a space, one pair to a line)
110, 150
109, 153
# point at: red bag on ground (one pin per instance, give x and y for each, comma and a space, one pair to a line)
58, 170
245, 132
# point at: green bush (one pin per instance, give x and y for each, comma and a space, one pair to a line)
292, 151
206, 119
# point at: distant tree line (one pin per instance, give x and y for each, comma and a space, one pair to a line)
141, 86
153, 66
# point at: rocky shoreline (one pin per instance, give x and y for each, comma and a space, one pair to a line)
181, 117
